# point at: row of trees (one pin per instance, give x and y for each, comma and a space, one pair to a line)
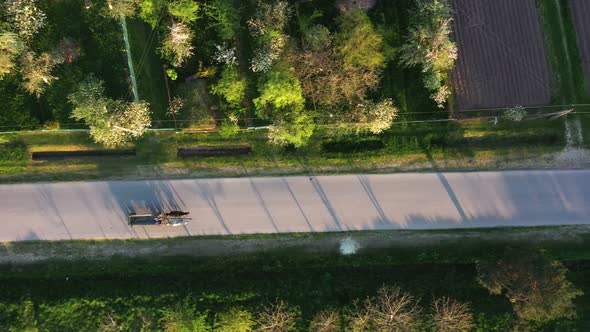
536, 286
325, 77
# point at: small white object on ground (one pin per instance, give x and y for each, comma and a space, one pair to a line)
348, 246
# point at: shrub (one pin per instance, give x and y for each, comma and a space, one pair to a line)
234, 320
231, 86
228, 128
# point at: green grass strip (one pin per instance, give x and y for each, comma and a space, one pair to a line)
562, 51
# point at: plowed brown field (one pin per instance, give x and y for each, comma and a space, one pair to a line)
581, 13
502, 58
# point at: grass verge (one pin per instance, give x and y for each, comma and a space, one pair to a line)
444, 146
74, 295
562, 51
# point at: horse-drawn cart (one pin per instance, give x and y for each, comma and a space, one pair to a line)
172, 218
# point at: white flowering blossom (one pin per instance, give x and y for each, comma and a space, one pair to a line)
225, 55
26, 18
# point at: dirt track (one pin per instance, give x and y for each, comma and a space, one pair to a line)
502, 59
581, 12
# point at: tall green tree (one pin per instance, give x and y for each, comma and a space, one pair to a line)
112, 122
280, 91
185, 10
232, 87
358, 43
226, 17
536, 286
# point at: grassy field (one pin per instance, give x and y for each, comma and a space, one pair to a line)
563, 53
74, 295
452, 145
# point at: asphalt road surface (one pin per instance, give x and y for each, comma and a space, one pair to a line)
98, 210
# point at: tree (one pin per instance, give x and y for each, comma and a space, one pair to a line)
231, 86
317, 38
36, 72
295, 127
150, 11
226, 16
392, 310
358, 43
277, 317
537, 287
428, 44
326, 321
112, 122
375, 117
10, 47
26, 18
336, 72
450, 315
125, 8
279, 90
184, 10
267, 27
234, 320
176, 46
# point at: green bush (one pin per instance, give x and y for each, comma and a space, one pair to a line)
228, 128
354, 144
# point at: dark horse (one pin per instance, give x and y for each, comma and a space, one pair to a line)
177, 213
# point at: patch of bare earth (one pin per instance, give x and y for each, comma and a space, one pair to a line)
502, 59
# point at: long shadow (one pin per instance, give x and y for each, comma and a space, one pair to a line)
263, 203
288, 186
286, 183
47, 200
364, 181
443, 180
209, 196
320, 190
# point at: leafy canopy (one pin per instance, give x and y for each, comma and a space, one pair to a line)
112, 122
185, 10
537, 286
231, 86
358, 43
280, 91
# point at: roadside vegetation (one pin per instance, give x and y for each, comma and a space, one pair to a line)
480, 284
446, 145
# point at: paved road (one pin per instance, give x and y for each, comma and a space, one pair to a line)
83, 210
